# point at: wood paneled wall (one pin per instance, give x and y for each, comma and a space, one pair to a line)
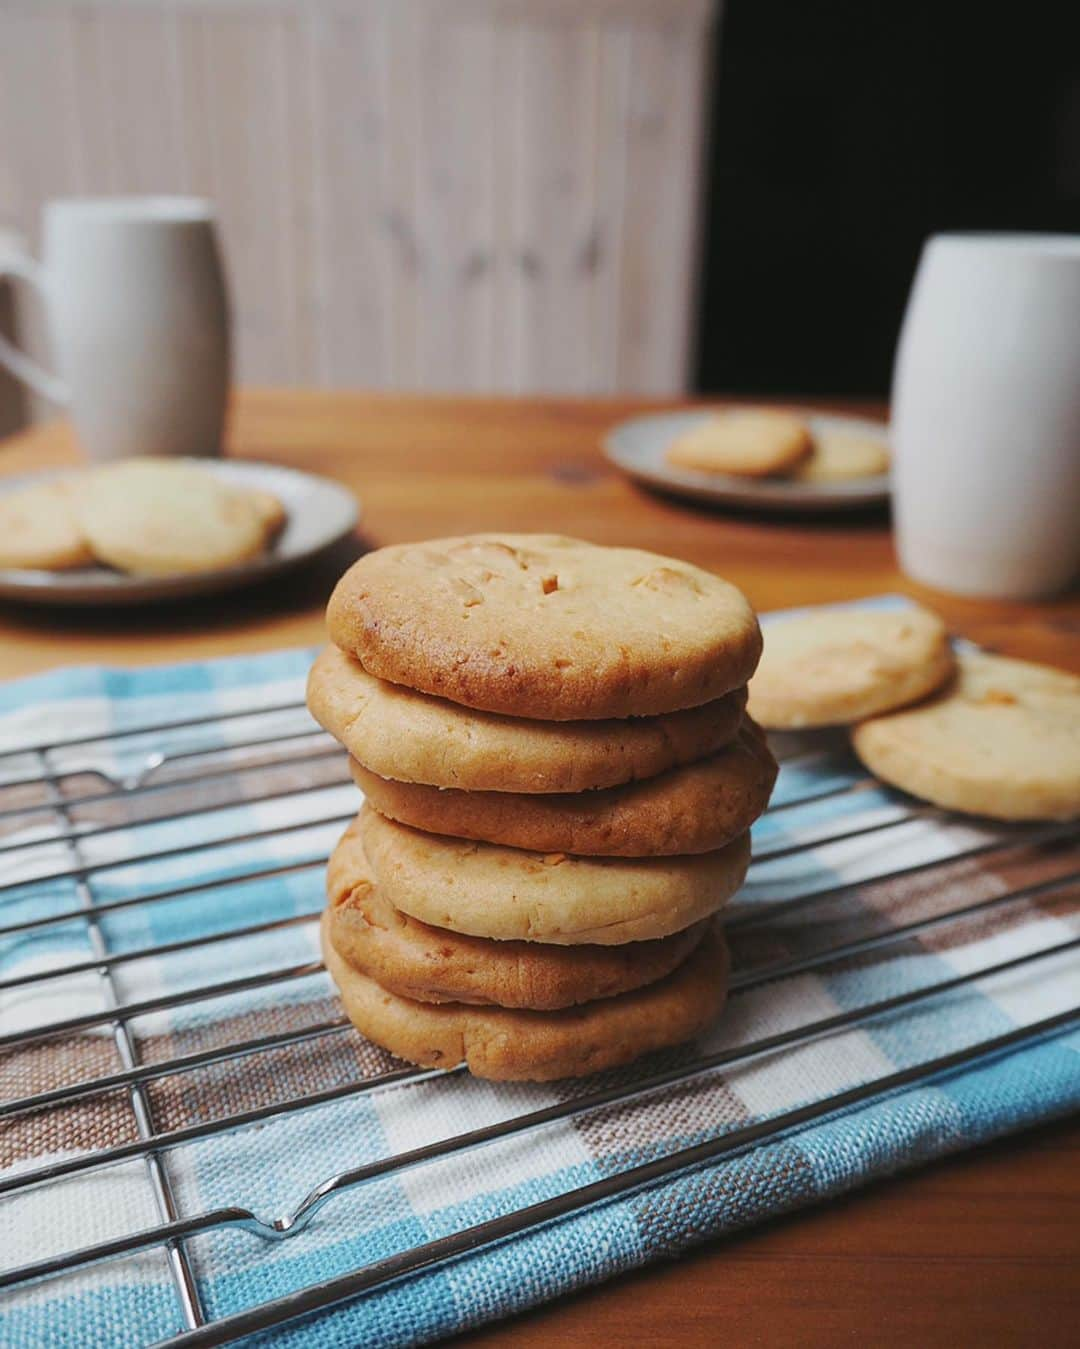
414, 194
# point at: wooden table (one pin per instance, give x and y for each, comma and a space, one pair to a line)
982, 1249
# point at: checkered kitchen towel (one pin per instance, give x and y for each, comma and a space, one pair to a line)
270, 1166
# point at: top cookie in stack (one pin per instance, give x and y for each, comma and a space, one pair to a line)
545, 627
576, 714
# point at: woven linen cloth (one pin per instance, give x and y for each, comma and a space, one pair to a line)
270, 1166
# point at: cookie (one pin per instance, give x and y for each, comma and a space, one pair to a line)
413, 737
545, 627
749, 442
431, 964
694, 809
510, 895
271, 511
1002, 739
513, 1045
39, 529
838, 455
156, 517
837, 666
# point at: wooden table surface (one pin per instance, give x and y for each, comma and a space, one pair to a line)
981, 1249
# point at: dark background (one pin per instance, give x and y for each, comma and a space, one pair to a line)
842, 135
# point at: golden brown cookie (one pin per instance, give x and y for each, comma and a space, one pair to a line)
38, 527
513, 1045
836, 666
413, 737
511, 895
157, 517
432, 964
694, 809
1001, 739
747, 442
838, 455
540, 626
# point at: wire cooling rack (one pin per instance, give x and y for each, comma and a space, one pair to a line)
59, 801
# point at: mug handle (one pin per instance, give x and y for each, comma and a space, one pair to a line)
21, 366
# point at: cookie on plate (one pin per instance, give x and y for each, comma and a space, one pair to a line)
839, 455
39, 528
1002, 739
509, 1044
837, 666
270, 510
158, 517
430, 964
511, 895
545, 627
413, 737
748, 442
693, 809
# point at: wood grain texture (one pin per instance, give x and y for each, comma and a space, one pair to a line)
465, 195
982, 1250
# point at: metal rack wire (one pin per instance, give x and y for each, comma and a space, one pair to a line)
46, 808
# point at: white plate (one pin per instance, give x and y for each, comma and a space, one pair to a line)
320, 512
638, 448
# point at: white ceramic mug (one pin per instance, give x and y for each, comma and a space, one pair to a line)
138, 318
986, 416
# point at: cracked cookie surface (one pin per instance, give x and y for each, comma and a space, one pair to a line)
546, 627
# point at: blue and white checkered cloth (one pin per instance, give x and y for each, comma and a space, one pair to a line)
272, 1166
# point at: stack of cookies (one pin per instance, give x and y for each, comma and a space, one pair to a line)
559, 782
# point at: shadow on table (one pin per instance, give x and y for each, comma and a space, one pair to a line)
855, 518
